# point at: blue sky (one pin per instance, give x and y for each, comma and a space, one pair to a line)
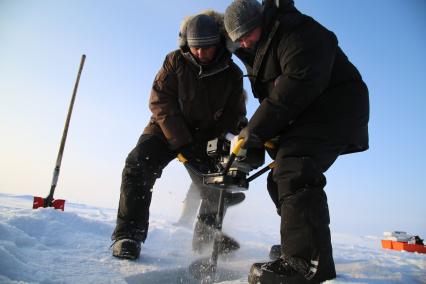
41, 43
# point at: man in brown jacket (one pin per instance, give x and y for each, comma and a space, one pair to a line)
197, 95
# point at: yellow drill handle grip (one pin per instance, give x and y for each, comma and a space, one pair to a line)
237, 147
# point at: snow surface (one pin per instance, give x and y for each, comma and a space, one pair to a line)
49, 246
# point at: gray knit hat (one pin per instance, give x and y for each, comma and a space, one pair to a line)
202, 30
241, 17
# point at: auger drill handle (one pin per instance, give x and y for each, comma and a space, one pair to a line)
234, 153
270, 145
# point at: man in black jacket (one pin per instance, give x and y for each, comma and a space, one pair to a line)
314, 105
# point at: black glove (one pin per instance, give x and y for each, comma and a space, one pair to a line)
242, 122
251, 140
198, 158
190, 152
204, 135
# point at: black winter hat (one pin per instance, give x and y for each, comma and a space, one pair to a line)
202, 30
241, 17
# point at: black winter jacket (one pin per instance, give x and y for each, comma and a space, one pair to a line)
306, 85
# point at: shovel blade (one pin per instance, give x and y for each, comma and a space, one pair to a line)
38, 202
41, 202
58, 204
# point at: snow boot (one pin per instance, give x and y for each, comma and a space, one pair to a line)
275, 252
126, 249
281, 271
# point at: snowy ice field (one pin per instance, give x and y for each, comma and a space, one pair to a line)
48, 246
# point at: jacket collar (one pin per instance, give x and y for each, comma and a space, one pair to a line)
274, 19
220, 62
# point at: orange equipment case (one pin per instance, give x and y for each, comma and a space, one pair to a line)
388, 244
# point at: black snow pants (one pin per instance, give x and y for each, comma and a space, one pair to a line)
144, 165
296, 185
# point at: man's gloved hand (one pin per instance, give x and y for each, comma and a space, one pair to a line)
190, 152
251, 140
242, 122
198, 158
204, 135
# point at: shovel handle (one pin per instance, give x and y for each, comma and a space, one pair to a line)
49, 198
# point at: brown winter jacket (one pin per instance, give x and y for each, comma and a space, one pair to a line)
305, 83
194, 103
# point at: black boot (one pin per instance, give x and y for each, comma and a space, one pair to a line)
281, 272
126, 249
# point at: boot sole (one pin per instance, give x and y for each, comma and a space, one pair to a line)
126, 255
259, 276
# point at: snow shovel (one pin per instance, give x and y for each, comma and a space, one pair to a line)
49, 201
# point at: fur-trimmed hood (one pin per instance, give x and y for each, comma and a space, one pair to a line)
218, 17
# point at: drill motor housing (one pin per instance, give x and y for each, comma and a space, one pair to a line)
219, 149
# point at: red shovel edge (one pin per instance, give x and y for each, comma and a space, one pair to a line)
43, 202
